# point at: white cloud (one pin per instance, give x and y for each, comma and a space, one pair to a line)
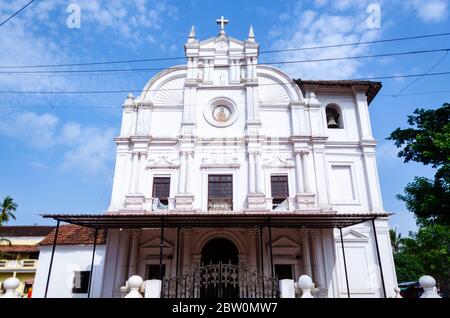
430, 10
37, 130
91, 153
387, 153
39, 35
309, 28
84, 149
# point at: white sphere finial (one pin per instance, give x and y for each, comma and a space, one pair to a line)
305, 283
10, 285
134, 284
428, 284
397, 292
129, 102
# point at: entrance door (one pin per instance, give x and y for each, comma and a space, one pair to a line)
219, 268
219, 250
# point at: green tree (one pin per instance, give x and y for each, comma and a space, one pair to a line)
426, 252
396, 240
427, 141
8, 209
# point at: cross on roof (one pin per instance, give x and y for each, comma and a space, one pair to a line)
222, 21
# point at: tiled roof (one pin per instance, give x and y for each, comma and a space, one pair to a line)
74, 235
28, 230
18, 248
372, 88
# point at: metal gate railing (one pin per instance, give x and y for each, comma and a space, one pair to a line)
220, 281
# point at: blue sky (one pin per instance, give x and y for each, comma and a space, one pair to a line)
57, 151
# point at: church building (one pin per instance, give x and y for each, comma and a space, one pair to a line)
230, 176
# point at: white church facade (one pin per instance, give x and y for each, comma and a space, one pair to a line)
229, 170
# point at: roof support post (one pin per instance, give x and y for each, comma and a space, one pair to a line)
379, 258
178, 261
51, 259
261, 251
161, 245
345, 263
91, 274
270, 249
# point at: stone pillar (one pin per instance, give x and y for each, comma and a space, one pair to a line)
122, 262
251, 172
371, 174
306, 253
318, 263
298, 172
188, 181
305, 168
321, 178
119, 189
184, 200
134, 158
137, 171
142, 174
259, 175
134, 252
187, 235
195, 68
305, 197
249, 68
232, 70
252, 248
362, 112
238, 70
182, 173
189, 67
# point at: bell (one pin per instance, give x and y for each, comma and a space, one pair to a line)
331, 122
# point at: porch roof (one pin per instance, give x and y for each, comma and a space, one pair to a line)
195, 219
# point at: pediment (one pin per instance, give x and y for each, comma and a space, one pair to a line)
285, 241
278, 162
162, 163
155, 243
353, 235
220, 161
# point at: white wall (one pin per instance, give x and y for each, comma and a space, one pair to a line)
66, 261
364, 276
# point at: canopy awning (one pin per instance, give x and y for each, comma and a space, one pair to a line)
246, 219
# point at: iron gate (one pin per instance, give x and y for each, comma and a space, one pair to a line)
220, 281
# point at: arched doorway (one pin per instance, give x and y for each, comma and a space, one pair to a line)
219, 269
219, 250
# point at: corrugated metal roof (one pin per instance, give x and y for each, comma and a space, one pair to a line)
195, 219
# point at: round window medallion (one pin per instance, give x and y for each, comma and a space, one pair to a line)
220, 112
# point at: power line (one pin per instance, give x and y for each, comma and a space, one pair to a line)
419, 78
181, 89
56, 107
15, 13
183, 67
358, 43
415, 93
261, 52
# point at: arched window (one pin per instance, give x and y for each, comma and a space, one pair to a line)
334, 116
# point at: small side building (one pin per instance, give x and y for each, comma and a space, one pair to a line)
19, 254
71, 270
